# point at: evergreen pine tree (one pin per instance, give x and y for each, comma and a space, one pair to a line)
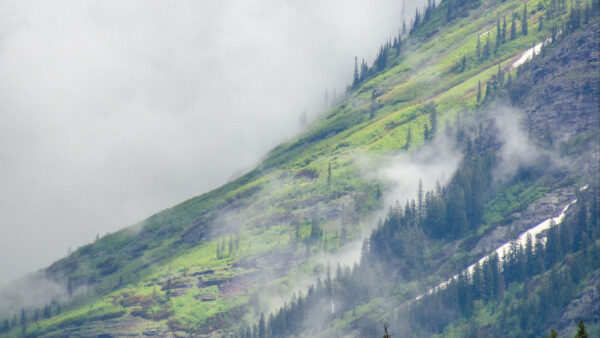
479, 92
498, 34
329, 176
553, 333
355, 78
23, 317
504, 30
168, 289
488, 91
524, 20
581, 331
513, 28
487, 48
262, 329
408, 139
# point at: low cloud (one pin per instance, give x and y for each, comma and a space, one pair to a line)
112, 111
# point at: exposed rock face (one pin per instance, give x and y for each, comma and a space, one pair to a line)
560, 92
548, 206
586, 307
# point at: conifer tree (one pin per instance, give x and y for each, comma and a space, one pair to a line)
553, 333
479, 92
23, 320
408, 139
498, 33
355, 78
513, 28
487, 48
329, 176
504, 30
581, 331
262, 329
524, 20
488, 91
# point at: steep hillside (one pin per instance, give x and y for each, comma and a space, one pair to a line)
450, 96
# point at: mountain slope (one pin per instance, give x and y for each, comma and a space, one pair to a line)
217, 260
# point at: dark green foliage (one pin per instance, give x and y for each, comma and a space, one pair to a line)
513, 28
355, 77
537, 305
329, 176
23, 319
458, 8
498, 34
486, 48
581, 331
524, 28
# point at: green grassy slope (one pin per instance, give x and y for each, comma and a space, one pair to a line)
120, 283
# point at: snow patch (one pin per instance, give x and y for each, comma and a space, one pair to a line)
528, 54
504, 249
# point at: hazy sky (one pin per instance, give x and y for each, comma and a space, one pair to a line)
113, 110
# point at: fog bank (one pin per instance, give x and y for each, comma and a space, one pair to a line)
112, 111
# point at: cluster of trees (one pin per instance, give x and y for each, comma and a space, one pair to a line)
396, 248
548, 275
578, 15
362, 71
31, 316
233, 245
323, 301
397, 244
450, 212
443, 213
459, 8
426, 17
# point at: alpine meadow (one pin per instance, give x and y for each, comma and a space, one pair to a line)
452, 189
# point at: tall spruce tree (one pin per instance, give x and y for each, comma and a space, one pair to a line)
581, 330
504, 30
524, 20
498, 34
513, 28
355, 77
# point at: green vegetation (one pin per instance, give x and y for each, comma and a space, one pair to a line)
206, 265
